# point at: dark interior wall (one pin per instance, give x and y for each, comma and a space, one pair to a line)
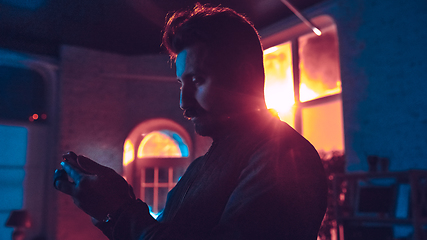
383, 64
103, 97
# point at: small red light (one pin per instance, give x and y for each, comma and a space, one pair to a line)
35, 116
31, 119
44, 116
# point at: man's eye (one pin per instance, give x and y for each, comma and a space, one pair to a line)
196, 79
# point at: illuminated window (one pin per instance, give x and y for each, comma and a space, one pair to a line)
157, 181
303, 85
279, 81
162, 144
154, 160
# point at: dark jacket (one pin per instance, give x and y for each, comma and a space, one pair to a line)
261, 181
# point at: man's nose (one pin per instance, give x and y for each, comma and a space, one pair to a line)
186, 99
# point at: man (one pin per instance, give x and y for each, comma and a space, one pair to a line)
259, 180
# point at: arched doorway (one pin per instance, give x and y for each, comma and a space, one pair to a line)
155, 155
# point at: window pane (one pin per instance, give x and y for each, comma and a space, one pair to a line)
279, 90
149, 175
149, 192
13, 146
322, 125
158, 144
177, 173
319, 65
163, 192
163, 175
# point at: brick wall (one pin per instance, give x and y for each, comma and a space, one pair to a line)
383, 64
104, 96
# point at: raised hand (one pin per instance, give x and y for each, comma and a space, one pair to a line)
97, 190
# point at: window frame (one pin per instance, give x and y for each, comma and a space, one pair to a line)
290, 31
299, 106
134, 171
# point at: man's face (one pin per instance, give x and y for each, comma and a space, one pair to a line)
205, 97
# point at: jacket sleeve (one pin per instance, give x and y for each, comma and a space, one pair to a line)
136, 223
281, 194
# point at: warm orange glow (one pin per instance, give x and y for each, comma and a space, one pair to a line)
319, 76
278, 89
35, 116
323, 126
312, 88
279, 93
128, 153
270, 50
158, 144
342, 197
275, 93
306, 93
319, 65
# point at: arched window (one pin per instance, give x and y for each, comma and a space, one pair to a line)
155, 156
163, 143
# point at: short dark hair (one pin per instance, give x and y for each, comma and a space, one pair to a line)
222, 29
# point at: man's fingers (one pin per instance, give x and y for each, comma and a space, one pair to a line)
61, 182
60, 174
89, 166
75, 173
70, 156
65, 187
